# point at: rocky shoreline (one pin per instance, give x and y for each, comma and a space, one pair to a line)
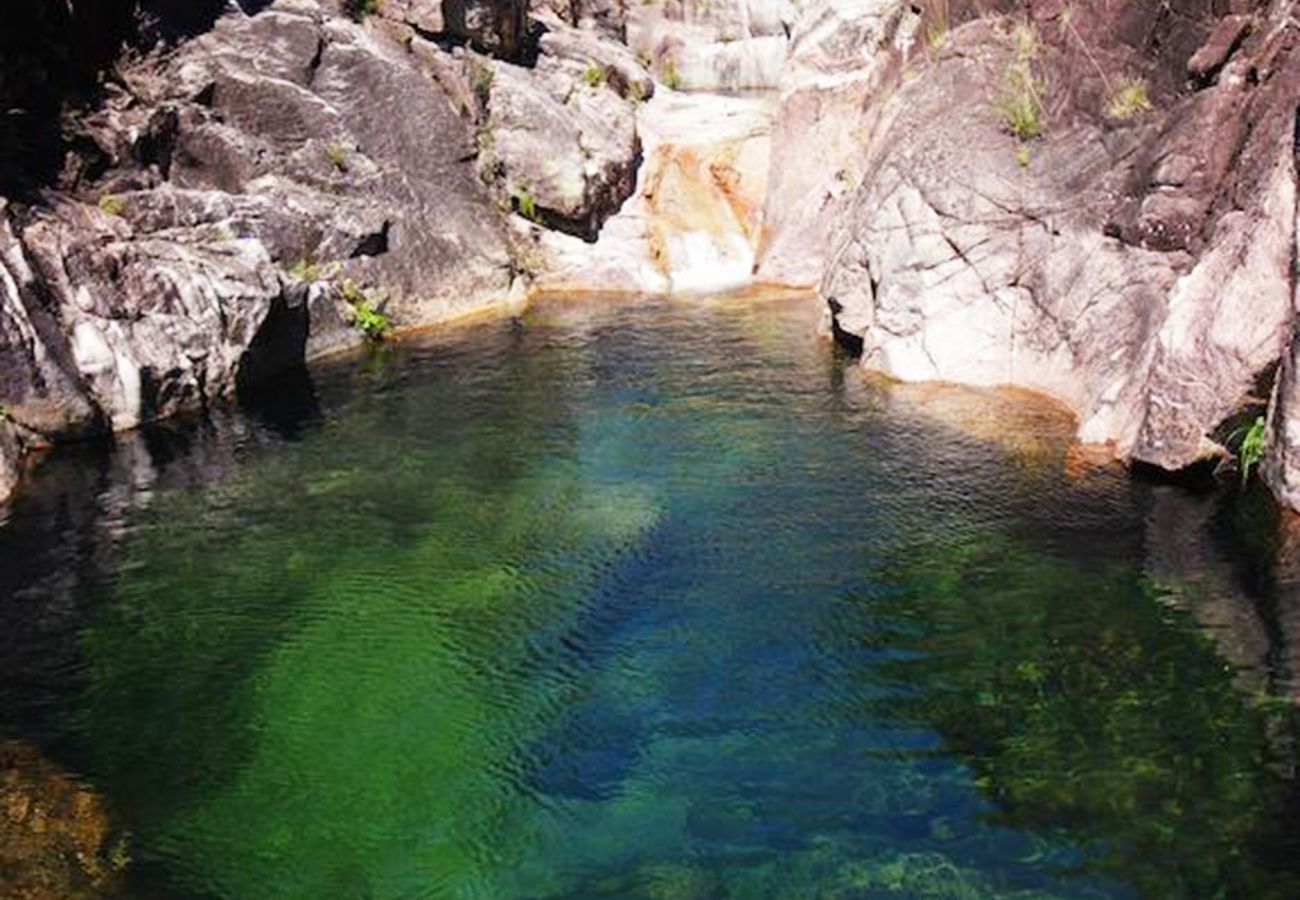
1098, 205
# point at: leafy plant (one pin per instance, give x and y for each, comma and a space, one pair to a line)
1251, 451
526, 203
1128, 98
112, 204
594, 75
366, 311
4, 413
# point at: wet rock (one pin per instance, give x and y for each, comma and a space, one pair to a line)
694, 221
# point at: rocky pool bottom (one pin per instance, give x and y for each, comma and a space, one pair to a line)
659, 600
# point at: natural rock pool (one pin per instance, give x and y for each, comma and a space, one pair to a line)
659, 600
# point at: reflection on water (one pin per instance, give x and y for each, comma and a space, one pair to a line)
656, 601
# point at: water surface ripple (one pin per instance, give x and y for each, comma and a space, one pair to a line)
658, 600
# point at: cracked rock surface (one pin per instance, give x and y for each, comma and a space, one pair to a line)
210, 208
1136, 266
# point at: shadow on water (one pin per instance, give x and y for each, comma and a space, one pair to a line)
656, 601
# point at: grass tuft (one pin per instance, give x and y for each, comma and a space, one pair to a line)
1251, 451
1128, 98
1021, 103
112, 204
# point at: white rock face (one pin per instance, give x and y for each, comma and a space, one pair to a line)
693, 222
727, 46
839, 57
1078, 265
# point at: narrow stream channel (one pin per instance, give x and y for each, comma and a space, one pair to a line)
651, 600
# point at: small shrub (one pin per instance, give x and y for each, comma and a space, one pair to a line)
359, 9
1128, 98
594, 75
481, 77
112, 204
337, 155
4, 413
670, 76
1251, 451
635, 93
1023, 155
366, 312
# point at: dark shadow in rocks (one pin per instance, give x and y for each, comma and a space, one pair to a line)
846, 340
1201, 477
273, 384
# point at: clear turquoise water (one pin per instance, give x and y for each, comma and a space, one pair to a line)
665, 601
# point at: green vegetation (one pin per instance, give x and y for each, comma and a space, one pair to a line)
481, 77
1251, 451
594, 75
526, 204
1021, 102
337, 156
360, 9
937, 24
1069, 724
366, 311
112, 204
1128, 98
4, 413
669, 74
310, 270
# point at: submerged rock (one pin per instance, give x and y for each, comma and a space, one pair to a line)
56, 841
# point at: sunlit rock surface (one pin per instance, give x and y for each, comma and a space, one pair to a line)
1120, 263
693, 223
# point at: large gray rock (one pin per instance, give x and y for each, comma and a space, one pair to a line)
561, 148
1122, 264
213, 208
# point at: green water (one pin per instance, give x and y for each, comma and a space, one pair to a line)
661, 601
